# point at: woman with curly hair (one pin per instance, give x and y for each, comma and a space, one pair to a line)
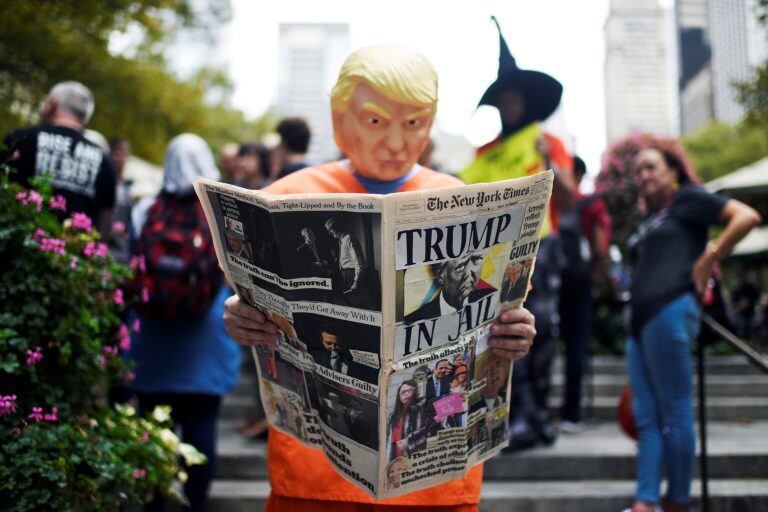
672, 261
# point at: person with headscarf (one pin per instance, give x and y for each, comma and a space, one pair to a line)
189, 363
524, 98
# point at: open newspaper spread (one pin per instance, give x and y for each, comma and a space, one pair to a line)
384, 305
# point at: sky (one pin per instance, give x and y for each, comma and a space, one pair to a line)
561, 37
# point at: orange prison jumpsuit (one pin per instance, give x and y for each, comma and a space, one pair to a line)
301, 478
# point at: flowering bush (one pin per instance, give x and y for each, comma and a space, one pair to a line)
618, 181
62, 447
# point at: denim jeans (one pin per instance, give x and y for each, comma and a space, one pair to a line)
661, 376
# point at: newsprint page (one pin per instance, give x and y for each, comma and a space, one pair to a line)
384, 305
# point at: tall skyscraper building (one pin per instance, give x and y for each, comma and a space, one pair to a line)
720, 41
638, 93
694, 71
310, 56
731, 54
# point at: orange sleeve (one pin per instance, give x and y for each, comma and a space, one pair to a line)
558, 154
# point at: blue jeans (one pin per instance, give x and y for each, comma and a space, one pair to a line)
661, 376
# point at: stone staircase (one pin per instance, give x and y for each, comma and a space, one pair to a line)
591, 471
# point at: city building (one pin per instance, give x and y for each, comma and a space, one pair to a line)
694, 71
720, 41
639, 95
310, 56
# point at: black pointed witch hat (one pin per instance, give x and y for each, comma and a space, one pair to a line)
542, 93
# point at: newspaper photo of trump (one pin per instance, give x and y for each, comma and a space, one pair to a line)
440, 302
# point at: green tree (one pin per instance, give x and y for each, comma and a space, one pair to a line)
753, 94
44, 42
719, 149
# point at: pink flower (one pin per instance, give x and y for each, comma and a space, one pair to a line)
52, 416
138, 263
34, 357
81, 221
118, 227
118, 296
7, 404
106, 275
145, 436
102, 361
90, 249
144, 294
39, 234
36, 198
54, 245
37, 414
94, 249
33, 197
139, 473
73, 263
125, 337
129, 376
58, 202
110, 350
136, 327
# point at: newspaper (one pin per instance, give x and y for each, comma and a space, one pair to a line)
384, 305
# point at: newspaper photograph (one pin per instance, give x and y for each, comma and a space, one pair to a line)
384, 306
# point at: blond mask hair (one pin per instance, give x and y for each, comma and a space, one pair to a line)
396, 72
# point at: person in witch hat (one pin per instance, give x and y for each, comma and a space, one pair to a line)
524, 98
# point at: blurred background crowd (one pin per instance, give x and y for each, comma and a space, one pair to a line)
690, 76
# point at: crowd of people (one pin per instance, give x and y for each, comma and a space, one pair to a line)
382, 108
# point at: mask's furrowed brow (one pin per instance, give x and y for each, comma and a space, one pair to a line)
376, 109
425, 112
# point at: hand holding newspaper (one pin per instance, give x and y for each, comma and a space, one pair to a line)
384, 305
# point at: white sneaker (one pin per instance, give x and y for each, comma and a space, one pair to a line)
570, 427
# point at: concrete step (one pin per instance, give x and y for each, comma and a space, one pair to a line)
612, 496
717, 385
715, 365
600, 452
612, 385
593, 496
719, 408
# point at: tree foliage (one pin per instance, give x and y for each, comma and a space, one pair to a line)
43, 43
719, 149
753, 94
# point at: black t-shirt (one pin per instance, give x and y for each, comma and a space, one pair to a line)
665, 247
80, 171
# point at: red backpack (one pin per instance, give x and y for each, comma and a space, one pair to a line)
182, 273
